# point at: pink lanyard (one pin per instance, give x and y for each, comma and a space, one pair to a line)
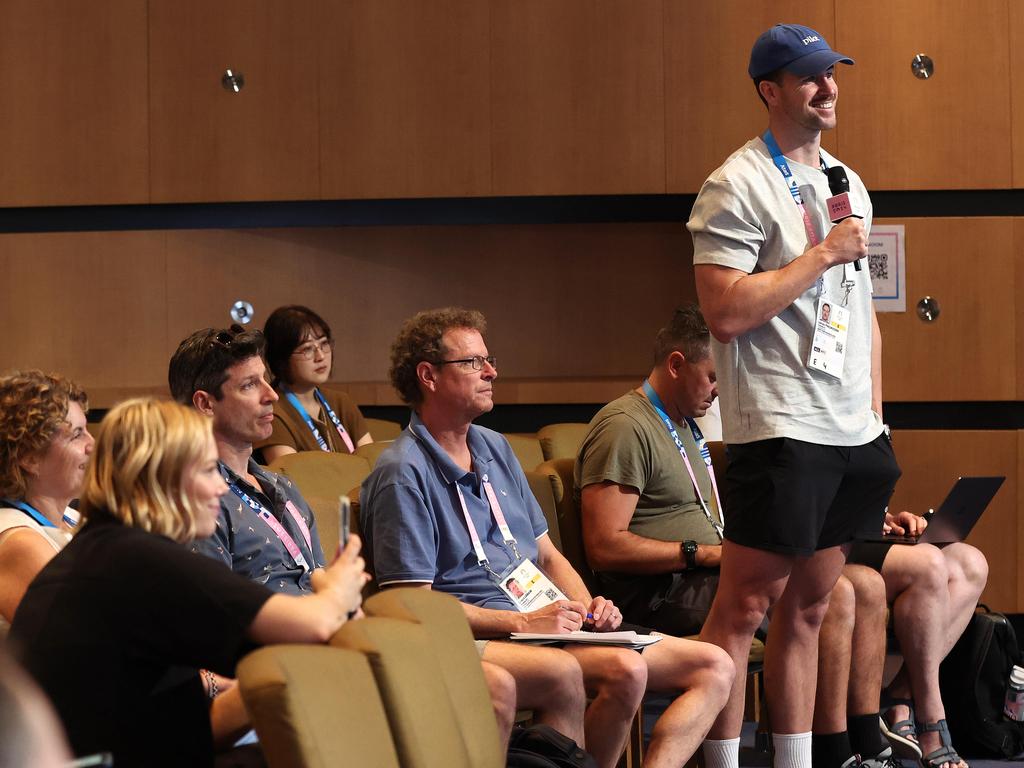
278, 529
506, 532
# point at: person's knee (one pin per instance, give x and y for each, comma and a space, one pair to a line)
561, 680
719, 672
624, 677
502, 688
968, 563
926, 568
740, 613
842, 606
869, 594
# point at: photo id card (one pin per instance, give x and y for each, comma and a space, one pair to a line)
528, 588
828, 345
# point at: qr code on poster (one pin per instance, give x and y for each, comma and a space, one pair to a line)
878, 265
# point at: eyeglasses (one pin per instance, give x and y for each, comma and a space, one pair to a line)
308, 351
477, 361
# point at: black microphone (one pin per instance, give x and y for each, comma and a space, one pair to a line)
839, 205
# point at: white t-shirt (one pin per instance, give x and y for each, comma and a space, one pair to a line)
745, 218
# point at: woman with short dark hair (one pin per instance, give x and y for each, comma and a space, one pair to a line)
300, 354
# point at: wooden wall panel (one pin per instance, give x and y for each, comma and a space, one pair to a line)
932, 460
1016, 85
951, 131
567, 301
89, 305
209, 144
578, 97
405, 98
968, 264
711, 107
72, 77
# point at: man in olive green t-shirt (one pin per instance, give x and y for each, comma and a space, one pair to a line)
653, 541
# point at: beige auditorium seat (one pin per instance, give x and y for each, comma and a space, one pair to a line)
413, 686
561, 441
452, 641
382, 429
544, 492
323, 477
559, 471
372, 451
526, 448
316, 707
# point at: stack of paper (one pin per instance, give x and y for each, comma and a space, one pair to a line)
626, 639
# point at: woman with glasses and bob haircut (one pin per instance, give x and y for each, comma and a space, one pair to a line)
300, 354
117, 626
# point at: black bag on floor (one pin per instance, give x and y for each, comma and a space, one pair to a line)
540, 746
973, 680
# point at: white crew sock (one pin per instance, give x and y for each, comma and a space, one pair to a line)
722, 753
792, 750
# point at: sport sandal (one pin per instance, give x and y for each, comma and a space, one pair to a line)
902, 734
945, 753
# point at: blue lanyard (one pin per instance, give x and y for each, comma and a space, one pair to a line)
309, 419
705, 454
29, 510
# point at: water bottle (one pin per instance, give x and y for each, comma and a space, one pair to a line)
1014, 706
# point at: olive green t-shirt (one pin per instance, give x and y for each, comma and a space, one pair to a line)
629, 444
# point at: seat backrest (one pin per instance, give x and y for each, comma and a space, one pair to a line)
561, 441
382, 429
412, 686
445, 622
322, 477
540, 484
315, 707
569, 523
372, 451
526, 448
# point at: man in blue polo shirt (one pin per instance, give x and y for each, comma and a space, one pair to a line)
449, 508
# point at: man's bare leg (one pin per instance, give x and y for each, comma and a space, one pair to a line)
548, 681
868, 661
835, 644
615, 679
502, 687
791, 665
917, 584
751, 580
704, 673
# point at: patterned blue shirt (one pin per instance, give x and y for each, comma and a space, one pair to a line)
245, 543
413, 523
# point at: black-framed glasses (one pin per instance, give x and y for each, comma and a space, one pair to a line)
476, 361
308, 350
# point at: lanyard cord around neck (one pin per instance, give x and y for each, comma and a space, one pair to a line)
705, 453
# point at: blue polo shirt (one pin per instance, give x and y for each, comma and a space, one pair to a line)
413, 523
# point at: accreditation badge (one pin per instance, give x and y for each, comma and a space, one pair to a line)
828, 345
528, 587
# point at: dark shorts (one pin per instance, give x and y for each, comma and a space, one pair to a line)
869, 553
792, 497
673, 603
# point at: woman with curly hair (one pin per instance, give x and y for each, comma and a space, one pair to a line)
300, 354
117, 626
44, 449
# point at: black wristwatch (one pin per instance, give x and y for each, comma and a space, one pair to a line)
689, 550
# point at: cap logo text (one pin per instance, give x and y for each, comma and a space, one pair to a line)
811, 39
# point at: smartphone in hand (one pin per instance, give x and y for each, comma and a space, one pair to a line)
344, 520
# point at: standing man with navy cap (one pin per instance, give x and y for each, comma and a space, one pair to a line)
810, 465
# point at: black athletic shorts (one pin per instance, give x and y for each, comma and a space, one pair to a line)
792, 497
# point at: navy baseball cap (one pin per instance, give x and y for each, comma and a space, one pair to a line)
795, 48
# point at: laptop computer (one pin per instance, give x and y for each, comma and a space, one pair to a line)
955, 519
